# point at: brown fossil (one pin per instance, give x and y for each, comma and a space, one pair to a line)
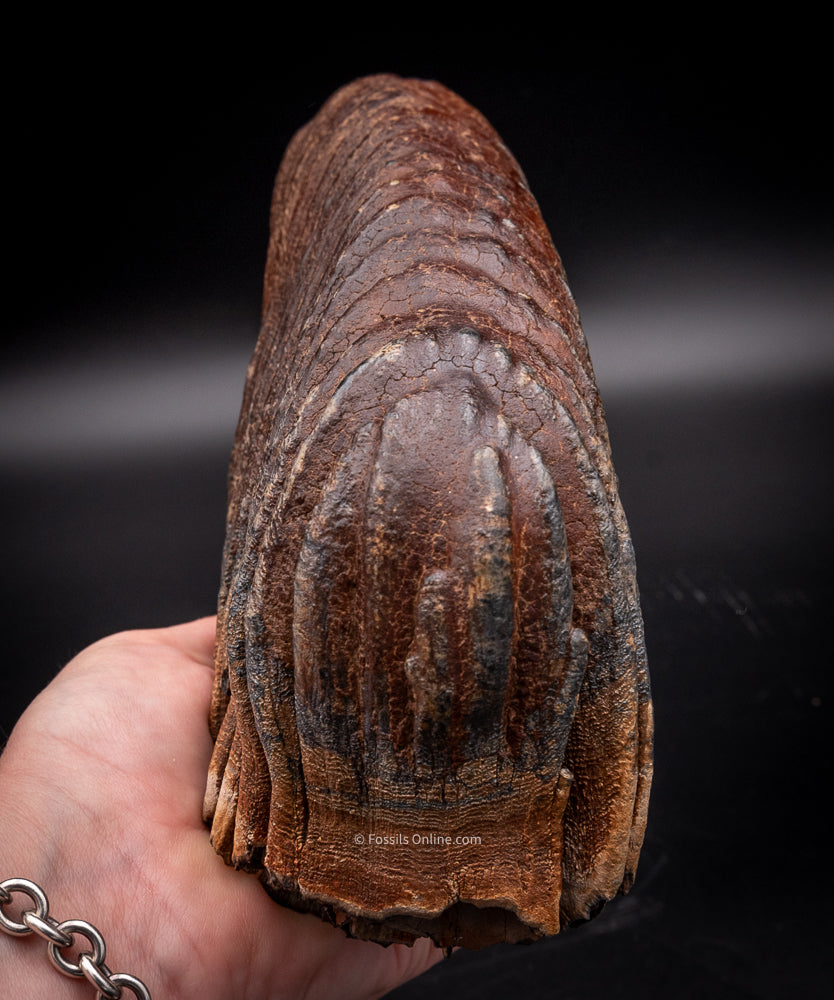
431, 710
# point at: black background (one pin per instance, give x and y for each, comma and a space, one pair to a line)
689, 197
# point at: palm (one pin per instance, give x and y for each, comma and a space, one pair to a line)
117, 750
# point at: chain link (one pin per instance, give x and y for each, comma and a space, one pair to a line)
109, 985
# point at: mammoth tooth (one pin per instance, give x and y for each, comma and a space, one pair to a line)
431, 709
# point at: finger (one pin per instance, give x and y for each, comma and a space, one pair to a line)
406, 962
195, 639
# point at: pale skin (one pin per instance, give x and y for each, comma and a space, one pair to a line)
101, 786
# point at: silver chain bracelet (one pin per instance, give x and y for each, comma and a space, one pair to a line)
110, 985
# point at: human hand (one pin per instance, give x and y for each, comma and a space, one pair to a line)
101, 786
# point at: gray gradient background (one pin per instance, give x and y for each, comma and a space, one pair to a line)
690, 199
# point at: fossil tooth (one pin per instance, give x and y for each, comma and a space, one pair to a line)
431, 709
